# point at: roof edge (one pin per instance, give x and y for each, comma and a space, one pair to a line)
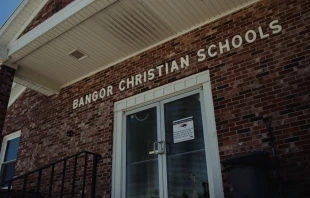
12, 24
28, 21
13, 16
61, 16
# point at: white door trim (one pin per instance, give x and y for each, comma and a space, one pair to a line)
157, 94
172, 89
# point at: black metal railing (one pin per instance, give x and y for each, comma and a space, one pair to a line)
38, 171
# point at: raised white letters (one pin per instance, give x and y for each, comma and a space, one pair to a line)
95, 96
261, 33
151, 74
138, 79
88, 99
185, 61
234, 43
130, 81
201, 55
210, 52
167, 68
121, 86
275, 27
221, 46
81, 102
252, 38
159, 69
75, 103
102, 93
176, 65
110, 90
144, 76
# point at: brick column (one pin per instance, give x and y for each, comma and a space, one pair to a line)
6, 81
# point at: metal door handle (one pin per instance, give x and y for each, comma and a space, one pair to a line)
159, 151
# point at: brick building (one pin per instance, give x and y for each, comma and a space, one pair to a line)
163, 91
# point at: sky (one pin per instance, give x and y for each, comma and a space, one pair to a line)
6, 9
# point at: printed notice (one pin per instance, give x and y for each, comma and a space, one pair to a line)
183, 130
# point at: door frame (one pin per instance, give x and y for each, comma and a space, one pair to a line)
188, 84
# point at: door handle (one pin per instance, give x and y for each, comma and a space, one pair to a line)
160, 150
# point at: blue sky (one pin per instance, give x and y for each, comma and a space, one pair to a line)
6, 9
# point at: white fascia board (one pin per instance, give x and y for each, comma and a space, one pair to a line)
37, 79
24, 26
13, 16
49, 24
3, 54
31, 85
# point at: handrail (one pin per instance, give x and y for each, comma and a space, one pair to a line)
47, 166
96, 157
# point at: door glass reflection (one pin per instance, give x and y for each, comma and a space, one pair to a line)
186, 161
141, 166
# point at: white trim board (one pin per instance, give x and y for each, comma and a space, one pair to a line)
163, 91
200, 80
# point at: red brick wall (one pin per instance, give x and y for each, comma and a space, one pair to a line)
269, 77
51, 8
6, 80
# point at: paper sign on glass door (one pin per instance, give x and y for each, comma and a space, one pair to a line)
183, 130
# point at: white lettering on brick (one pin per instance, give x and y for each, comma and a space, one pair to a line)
277, 28
175, 66
236, 44
252, 38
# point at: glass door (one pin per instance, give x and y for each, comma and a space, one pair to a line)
165, 150
185, 159
142, 164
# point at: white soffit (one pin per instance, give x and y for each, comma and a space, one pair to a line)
16, 91
112, 34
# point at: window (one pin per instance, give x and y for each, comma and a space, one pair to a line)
8, 156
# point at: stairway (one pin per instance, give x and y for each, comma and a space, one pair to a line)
63, 178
